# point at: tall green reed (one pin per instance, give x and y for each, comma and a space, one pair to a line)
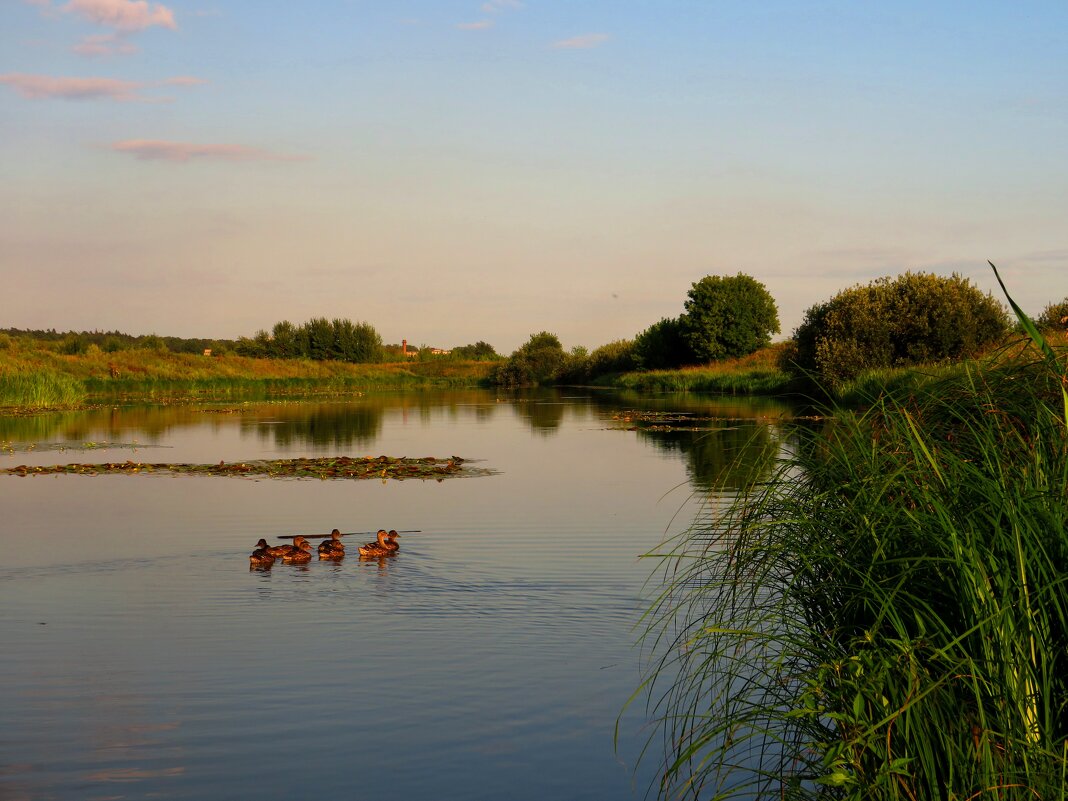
887, 616
40, 389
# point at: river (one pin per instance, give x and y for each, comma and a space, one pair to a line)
489, 659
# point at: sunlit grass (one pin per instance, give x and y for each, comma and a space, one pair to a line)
755, 374
887, 616
38, 377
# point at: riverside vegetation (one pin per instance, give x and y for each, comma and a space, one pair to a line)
886, 616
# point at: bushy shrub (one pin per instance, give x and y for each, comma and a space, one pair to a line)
663, 346
539, 360
728, 316
912, 319
615, 357
1054, 316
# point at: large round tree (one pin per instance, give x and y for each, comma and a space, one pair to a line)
728, 316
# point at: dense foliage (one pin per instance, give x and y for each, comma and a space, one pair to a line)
915, 318
75, 343
663, 346
319, 339
1054, 317
886, 617
540, 360
728, 316
477, 352
613, 358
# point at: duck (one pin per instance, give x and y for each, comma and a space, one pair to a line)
378, 548
279, 551
262, 556
332, 548
391, 541
301, 554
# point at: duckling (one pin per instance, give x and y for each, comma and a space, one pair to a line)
332, 548
261, 557
378, 548
391, 541
300, 555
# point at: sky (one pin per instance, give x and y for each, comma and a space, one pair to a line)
461, 170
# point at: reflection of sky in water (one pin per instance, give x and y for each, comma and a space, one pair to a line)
491, 656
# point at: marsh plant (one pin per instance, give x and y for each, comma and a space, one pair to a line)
886, 616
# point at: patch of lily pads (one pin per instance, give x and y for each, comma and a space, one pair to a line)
335, 467
42, 447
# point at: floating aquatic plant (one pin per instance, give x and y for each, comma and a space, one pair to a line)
345, 467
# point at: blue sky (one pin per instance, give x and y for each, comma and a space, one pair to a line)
456, 171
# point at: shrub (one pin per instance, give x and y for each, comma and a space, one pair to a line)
538, 361
662, 346
1054, 316
615, 357
729, 316
912, 319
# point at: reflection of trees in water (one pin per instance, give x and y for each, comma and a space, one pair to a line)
543, 409
340, 425
109, 424
721, 458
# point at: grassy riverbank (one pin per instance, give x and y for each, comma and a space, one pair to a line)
887, 617
755, 374
37, 377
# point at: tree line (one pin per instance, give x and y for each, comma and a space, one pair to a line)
343, 340
77, 342
914, 318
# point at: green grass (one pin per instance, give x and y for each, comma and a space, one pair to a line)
755, 374
41, 389
887, 616
33, 376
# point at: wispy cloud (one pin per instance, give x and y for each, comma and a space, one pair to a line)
37, 87
184, 80
481, 25
584, 42
184, 152
497, 6
123, 15
105, 44
41, 87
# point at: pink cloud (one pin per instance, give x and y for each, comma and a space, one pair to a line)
123, 15
481, 25
183, 152
584, 42
41, 86
106, 44
184, 80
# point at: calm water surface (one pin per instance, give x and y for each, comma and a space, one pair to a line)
488, 660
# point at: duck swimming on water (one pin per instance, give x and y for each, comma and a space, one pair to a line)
287, 549
301, 553
378, 548
262, 556
391, 541
332, 548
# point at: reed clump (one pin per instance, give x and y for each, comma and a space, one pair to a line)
887, 616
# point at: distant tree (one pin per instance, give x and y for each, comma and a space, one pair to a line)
663, 346
479, 351
284, 340
728, 316
320, 334
538, 361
